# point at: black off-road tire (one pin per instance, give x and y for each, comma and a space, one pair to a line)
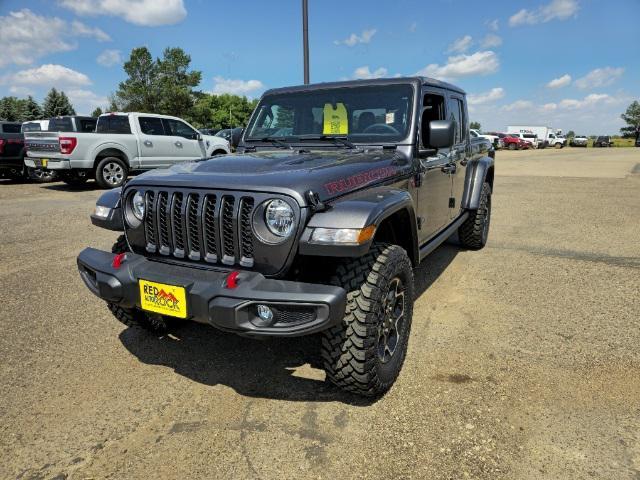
351, 351
132, 317
473, 233
111, 172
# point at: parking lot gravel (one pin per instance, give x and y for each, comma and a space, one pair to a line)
523, 361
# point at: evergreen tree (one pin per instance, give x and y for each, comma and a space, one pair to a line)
31, 110
57, 104
10, 109
632, 118
97, 112
475, 126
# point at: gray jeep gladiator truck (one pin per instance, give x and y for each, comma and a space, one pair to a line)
337, 191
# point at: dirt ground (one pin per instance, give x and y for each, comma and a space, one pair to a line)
523, 360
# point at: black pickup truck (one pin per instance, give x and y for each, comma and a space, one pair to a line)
337, 192
11, 150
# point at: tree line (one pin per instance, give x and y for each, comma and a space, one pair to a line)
168, 86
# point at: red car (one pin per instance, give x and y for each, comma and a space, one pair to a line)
515, 143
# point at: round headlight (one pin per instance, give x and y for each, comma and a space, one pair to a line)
279, 218
137, 205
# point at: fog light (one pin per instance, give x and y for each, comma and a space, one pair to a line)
265, 313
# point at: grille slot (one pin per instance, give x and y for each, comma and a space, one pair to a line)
210, 228
246, 236
200, 226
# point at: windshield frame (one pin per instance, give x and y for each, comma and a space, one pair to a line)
300, 140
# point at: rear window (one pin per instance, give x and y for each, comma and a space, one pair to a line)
63, 124
151, 125
113, 124
31, 127
11, 128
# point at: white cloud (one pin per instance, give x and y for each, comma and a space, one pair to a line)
486, 97
48, 75
518, 105
555, 10
109, 58
591, 100
354, 39
21, 91
149, 13
366, 73
493, 25
600, 77
82, 30
460, 45
479, 63
25, 36
491, 40
85, 101
560, 82
549, 107
237, 87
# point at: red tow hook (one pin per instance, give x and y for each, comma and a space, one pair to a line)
118, 259
232, 279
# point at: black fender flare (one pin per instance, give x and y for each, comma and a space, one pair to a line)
360, 210
114, 219
478, 171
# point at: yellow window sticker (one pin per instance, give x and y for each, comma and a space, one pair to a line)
335, 120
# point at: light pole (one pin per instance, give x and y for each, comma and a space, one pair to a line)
305, 39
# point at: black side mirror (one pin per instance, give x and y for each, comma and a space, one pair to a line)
441, 133
236, 135
198, 136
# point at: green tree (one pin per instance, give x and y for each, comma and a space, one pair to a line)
163, 85
221, 111
632, 119
571, 134
56, 103
97, 112
10, 109
474, 125
31, 110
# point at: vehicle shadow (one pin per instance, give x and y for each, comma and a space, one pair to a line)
63, 187
269, 368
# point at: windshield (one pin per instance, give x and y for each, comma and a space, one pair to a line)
377, 113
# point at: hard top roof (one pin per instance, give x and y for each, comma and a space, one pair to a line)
425, 81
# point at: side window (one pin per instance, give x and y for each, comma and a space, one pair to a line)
113, 124
87, 126
151, 125
432, 109
179, 129
456, 116
11, 128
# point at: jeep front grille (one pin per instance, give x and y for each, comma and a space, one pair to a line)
200, 226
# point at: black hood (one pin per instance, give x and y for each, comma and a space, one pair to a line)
329, 173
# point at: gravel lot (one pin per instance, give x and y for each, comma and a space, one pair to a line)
523, 361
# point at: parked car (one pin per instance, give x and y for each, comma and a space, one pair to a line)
35, 126
603, 141
208, 131
11, 150
314, 232
546, 135
638, 142
579, 141
495, 140
514, 142
122, 142
556, 140
72, 123
530, 138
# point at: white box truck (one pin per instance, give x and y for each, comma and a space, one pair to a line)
547, 136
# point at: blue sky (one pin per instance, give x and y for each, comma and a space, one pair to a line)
570, 64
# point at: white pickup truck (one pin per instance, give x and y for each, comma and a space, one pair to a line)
121, 143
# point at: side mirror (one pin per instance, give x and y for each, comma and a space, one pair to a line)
441, 133
236, 135
198, 136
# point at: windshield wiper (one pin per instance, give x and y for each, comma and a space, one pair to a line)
277, 142
336, 140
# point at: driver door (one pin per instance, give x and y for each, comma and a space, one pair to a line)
435, 184
186, 145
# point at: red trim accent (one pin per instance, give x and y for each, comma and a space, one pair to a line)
118, 259
232, 279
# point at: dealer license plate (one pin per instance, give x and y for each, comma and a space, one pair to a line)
163, 299
41, 162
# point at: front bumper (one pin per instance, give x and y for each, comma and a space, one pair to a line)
299, 308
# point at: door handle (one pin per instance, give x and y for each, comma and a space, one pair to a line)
178, 143
449, 168
148, 143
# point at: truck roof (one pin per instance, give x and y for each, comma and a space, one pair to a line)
425, 81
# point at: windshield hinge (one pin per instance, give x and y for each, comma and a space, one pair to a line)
314, 201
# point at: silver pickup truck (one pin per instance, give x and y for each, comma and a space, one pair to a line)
121, 143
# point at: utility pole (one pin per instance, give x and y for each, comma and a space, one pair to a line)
305, 39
